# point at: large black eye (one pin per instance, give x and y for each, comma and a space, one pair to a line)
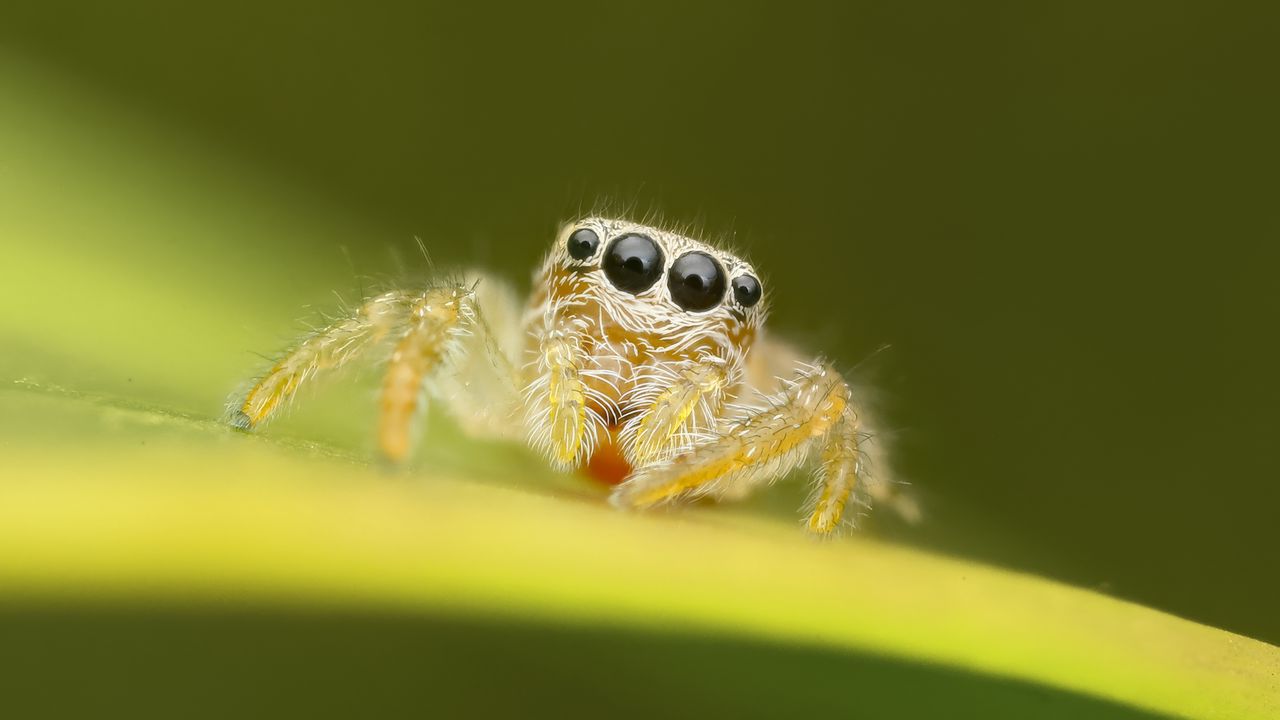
633, 263
696, 282
746, 290
583, 243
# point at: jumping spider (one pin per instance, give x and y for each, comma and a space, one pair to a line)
639, 358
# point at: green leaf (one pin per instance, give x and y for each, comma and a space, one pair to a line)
112, 500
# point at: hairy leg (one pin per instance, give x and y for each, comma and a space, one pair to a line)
763, 445
483, 393
556, 396
438, 321
839, 473
322, 351
677, 410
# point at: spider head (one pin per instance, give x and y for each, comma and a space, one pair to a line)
639, 283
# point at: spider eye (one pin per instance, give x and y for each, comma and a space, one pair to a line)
746, 290
696, 282
633, 263
582, 243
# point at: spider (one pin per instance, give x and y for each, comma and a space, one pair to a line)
639, 358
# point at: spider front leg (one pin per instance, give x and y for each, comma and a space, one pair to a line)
556, 395
676, 406
763, 445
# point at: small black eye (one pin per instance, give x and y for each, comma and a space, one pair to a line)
583, 243
696, 282
746, 290
633, 263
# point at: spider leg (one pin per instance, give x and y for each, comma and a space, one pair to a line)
839, 473
675, 408
556, 396
761, 446
438, 320
319, 352
483, 393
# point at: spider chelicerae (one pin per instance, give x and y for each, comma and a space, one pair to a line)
639, 357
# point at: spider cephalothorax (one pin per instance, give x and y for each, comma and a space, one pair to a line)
638, 357
621, 314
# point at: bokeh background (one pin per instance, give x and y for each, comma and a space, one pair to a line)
1060, 218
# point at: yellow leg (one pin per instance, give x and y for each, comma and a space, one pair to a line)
438, 320
556, 401
688, 402
838, 474
325, 350
760, 447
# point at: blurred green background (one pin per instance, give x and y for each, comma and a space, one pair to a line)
1061, 217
